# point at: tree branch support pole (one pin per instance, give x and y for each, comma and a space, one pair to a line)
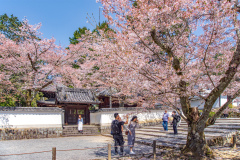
234, 142
54, 153
154, 150
109, 151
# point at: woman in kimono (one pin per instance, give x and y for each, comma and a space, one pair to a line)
131, 133
80, 124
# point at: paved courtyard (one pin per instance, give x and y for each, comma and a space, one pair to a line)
36, 145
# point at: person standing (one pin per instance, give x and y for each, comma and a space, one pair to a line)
131, 133
80, 124
116, 131
175, 121
165, 120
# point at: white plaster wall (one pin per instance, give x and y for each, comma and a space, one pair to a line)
197, 103
106, 118
30, 120
236, 104
200, 103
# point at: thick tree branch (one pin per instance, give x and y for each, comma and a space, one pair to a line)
212, 120
205, 56
168, 50
32, 63
148, 46
224, 82
45, 85
184, 100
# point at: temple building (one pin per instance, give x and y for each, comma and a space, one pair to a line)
73, 101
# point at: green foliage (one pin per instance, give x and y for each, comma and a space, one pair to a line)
70, 86
90, 49
36, 98
77, 34
135, 4
104, 26
211, 114
81, 31
75, 66
9, 25
96, 68
8, 102
230, 106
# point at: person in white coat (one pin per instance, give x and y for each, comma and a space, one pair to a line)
80, 124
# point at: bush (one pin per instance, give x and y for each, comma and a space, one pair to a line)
230, 106
211, 114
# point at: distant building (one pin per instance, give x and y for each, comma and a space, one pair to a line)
199, 102
73, 101
108, 100
76, 101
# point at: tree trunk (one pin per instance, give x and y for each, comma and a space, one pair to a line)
196, 143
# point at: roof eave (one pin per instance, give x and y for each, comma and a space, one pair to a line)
60, 102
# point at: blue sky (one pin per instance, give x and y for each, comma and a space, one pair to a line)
59, 18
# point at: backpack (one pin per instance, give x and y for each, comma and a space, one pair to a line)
115, 128
178, 118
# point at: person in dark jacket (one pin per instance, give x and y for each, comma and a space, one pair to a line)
174, 122
118, 137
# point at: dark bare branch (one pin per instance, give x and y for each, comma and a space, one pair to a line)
224, 82
212, 120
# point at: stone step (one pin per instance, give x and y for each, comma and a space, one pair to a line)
218, 123
215, 130
221, 126
180, 132
180, 136
74, 135
166, 139
159, 144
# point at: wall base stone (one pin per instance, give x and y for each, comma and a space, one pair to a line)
29, 133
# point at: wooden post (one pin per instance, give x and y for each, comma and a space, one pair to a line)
154, 149
109, 151
234, 141
110, 98
54, 153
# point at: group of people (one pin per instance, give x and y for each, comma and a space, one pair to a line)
175, 122
117, 132
117, 127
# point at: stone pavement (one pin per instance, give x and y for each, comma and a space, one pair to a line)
166, 139
36, 145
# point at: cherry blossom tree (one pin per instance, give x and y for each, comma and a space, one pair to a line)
168, 50
34, 63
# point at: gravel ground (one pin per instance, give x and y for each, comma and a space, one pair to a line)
36, 145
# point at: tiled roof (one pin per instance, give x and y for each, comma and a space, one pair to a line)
75, 95
31, 109
106, 92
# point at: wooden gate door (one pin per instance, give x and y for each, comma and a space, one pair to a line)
74, 112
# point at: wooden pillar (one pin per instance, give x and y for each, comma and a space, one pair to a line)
110, 102
54, 157
234, 141
110, 98
109, 151
154, 149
